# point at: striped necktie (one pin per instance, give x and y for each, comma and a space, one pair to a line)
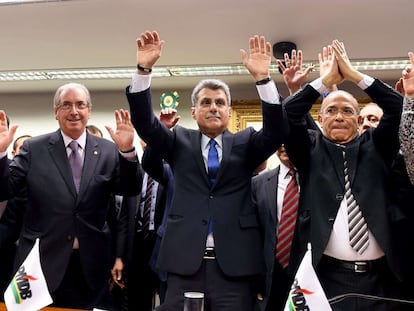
287, 220
358, 229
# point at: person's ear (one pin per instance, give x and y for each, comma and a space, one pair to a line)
193, 112
360, 120
320, 120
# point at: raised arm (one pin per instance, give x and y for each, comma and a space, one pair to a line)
149, 46
259, 58
406, 131
293, 72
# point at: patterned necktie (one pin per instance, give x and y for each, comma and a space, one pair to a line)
147, 206
358, 229
75, 161
287, 220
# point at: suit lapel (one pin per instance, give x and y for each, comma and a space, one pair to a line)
335, 152
271, 189
197, 153
352, 153
92, 156
227, 142
57, 151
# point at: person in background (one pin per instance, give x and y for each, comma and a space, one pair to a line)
94, 130
139, 220
8, 251
68, 177
402, 182
371, 115
337, 167
268, 190
211, 214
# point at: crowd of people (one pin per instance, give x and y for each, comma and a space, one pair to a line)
196, 215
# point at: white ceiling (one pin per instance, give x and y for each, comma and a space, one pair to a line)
102, 33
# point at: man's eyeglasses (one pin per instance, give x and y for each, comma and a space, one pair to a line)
346, 112
78, 106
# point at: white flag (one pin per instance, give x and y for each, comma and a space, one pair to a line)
28, 289
306, 292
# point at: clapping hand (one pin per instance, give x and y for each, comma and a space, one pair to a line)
408, 77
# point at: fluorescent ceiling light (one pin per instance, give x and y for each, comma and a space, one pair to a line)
17, 2
177, 71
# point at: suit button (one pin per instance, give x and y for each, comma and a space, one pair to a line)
331, 220
69, 237
204, 222
339, 196
211, 196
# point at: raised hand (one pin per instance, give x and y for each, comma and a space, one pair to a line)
259, 59
168, 117
325, 63
408, 77
149, 48
331, 75
344, 64
6, 134
123, 136
293, 73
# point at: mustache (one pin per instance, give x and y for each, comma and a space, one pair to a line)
213, 115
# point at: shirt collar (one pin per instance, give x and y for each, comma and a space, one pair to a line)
81, 140
205, 141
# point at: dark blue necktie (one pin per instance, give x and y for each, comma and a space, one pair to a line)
213, 166
213, 162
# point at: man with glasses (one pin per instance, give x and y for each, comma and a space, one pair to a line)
344, 187
68, 191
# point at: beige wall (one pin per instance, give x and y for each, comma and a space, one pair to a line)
33, 112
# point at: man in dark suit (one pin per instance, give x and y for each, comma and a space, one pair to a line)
136, 242
268, 190
338, 167
69, 215
212, 240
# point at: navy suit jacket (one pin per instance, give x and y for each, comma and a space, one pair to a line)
228, 203
56, 214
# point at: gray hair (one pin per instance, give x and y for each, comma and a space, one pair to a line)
61, 89
212, 84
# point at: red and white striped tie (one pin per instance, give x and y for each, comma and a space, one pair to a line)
287, 220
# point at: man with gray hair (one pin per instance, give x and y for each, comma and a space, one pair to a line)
68, 177
212, 242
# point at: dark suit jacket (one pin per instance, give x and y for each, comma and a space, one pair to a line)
264, 196
320, 167
128, 221
56, 213
228, 203
161, 172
